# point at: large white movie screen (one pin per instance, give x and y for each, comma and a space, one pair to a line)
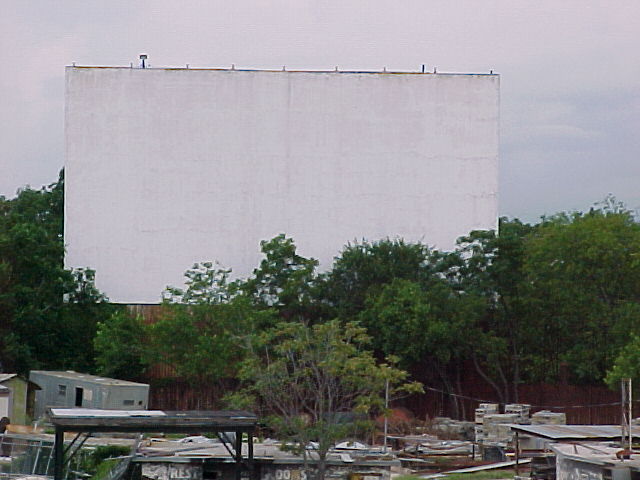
167, 167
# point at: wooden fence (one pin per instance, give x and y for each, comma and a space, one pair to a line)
586, 404
583, 404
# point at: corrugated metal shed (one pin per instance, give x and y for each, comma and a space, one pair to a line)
574, 432
71, 375
73, 389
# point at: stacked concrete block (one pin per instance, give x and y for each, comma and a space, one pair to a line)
503, 433
486, 409
493, 429
545, 417
497, 427
446, 427
480, 433
520, 409
482, 410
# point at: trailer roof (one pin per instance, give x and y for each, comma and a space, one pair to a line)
85, 377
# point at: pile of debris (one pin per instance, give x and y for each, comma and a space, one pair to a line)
546, 417
446, 427
494, 428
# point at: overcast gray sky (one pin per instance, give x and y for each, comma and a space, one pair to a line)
570, 73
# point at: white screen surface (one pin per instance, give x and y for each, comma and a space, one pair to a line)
167, 167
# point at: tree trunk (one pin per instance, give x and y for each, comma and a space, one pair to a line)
487, 379
322, 466
462, 400
453, 399
505, 382
516, 376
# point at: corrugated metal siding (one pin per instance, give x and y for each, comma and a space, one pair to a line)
95, 395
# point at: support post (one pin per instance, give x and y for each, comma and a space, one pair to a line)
626, 414
35, 462
630, 415
386, 414
252, 473
238, 448
58, 459
517, 454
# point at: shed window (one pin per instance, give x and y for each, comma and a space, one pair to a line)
62, 390
127, 402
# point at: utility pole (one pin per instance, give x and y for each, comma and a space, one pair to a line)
627, 413
386, 414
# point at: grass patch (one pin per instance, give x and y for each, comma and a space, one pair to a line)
173, 436
102, 460
103, 468
486, 475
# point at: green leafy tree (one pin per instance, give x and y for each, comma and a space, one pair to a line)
121, 346
428, 329
489, 265
364, 268
203, 328
207, 283
582, 273
286, 281
39, 328
31, 253
312, 380
626, 365
84, 307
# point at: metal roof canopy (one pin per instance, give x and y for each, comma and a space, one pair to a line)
85, 420
574, 432
89, 421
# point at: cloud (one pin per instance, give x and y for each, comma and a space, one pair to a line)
566, 68
554, 132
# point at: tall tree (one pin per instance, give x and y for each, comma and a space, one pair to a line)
626, 365
42, 326
489, 265
583, 279
312, 380
286, 282
429, 329
203, 328
362, 269
121, 346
